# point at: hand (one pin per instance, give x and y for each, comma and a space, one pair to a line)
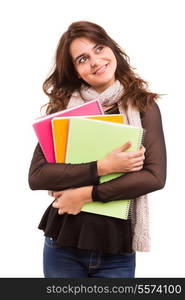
70, 201
120, 161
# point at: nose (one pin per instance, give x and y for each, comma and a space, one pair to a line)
93, 61
93, 64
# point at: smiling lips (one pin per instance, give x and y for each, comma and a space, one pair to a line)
100, 70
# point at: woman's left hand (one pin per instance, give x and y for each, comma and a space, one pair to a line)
70, 201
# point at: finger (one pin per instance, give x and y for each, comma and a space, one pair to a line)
61, 212
137, 160
142, 148
138, 165
137, 154
72, 212
55, 204
57, 194
124, 147
50, 193
135, 169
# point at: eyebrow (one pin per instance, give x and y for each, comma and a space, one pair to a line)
81, 55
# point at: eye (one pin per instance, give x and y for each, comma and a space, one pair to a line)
99, 48
82, 60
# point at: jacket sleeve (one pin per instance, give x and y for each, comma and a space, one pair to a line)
58, 176
153, 175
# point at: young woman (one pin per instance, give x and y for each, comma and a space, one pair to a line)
90, 65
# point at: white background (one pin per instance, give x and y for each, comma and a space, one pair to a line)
151, 33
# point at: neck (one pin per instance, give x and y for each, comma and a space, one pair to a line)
101, 89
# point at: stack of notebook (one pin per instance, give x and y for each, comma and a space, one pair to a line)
43, 129
60, 126
78, 136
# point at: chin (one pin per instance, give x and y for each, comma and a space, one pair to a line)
108, 81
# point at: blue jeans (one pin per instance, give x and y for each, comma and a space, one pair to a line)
70, 262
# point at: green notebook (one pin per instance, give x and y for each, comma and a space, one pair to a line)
90, 140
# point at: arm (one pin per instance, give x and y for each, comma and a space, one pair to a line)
71, 200
153, 175
59, 176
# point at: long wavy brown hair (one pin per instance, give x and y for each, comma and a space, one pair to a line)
63, 81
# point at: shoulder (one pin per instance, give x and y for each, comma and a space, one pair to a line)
152, 116
151, 110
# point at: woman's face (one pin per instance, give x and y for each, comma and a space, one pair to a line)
95, 63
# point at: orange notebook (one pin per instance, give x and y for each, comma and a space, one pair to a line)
60, 127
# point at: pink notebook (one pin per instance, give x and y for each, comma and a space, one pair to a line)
43, 128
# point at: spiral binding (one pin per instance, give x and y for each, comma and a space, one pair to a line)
128, 209
143, 136
140, 142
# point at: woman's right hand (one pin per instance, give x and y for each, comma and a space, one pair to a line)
120, 161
